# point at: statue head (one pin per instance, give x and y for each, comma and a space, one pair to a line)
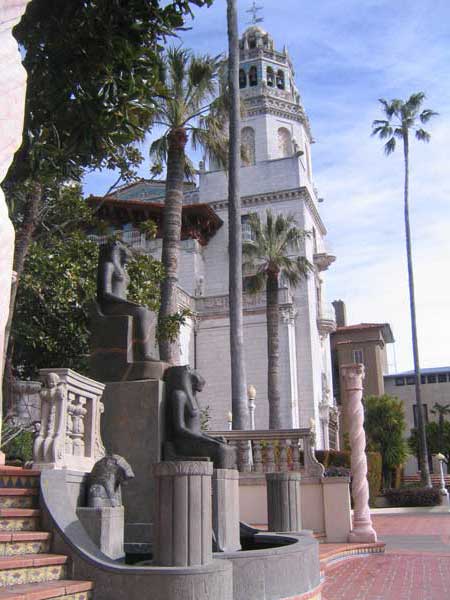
52, 380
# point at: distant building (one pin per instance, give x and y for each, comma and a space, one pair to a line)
276, 174
360, 343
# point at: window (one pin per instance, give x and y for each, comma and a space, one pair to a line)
270, 77
399, 381
442, 377
423, 379
248, 146
242, 79
358, 356
252, 42
431, 379
284, 142
424, 412
247, 234
253, 76
280, 79
411, 380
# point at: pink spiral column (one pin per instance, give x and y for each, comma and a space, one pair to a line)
352, 377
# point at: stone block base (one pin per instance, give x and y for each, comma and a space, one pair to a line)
105, 526
225, 510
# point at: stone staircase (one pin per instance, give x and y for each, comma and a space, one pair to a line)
28, 571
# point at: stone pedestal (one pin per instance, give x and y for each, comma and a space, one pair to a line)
182, 533
352, 377
132, 426
105, 526
225, 510
337, 510
283, 501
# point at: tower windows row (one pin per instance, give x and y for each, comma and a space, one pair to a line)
285, 145
273, 79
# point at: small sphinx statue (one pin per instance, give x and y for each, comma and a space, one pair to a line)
184, 436
105, 480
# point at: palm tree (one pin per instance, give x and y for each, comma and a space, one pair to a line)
270, 254
441, 410
190, 108
239, 403
402, 118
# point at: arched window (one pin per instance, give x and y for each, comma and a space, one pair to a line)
252, 42
248, 146
242, 79
270, 77
280, 79
253, 76
284, 142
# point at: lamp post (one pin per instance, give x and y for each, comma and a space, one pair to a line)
443, 490
251, 393
230, 420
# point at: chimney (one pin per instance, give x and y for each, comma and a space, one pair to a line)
340, 312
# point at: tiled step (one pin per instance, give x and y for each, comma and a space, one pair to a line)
19, 519
15, 477
58, 590
14, 543
19, 497
32, 568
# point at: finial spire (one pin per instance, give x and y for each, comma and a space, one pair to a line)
253, 10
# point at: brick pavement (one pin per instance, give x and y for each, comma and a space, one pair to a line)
416, 565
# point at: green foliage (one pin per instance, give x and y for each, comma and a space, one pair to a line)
413, 497
438, 438
20, 447
205, 418
384, 423
169, 327
374, 475
51, 320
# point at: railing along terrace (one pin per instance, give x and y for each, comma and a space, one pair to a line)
267, 451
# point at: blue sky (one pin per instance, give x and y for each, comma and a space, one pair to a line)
348, 54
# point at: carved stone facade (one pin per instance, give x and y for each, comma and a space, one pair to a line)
68, 435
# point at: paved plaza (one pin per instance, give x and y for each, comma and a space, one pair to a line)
415, 565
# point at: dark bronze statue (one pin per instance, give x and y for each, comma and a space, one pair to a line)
106, 477
112, 286
183, 432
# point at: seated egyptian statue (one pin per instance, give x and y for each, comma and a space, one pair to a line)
105, 479
122, 338
184, 436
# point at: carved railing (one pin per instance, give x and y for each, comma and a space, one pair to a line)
268, 451
207, 305
68, 435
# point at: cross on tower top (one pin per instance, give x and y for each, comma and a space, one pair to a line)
253, 10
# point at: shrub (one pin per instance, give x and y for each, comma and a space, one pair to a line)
20, 447
374, 475
413, 497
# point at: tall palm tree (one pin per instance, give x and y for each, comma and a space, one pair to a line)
270, 254
190, 109
403, 118
239, 403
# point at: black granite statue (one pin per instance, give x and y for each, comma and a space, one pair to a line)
112, 286
106, 477
122, 331
183, 433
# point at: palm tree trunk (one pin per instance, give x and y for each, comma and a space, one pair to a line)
273, 352
171, 235
239, 402
423, 452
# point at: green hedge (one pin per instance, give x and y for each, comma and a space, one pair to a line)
413, 497
20, 447
341, 458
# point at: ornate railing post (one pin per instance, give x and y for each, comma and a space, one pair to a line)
352, 376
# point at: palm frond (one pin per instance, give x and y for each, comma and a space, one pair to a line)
423, 135
427, 114
158, 149
389, 147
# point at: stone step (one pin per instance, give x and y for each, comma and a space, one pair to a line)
19, 519
16, 477
19, 497
31, 568
58, 590
14, 543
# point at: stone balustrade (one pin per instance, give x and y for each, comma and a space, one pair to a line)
269, 451
68, 435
